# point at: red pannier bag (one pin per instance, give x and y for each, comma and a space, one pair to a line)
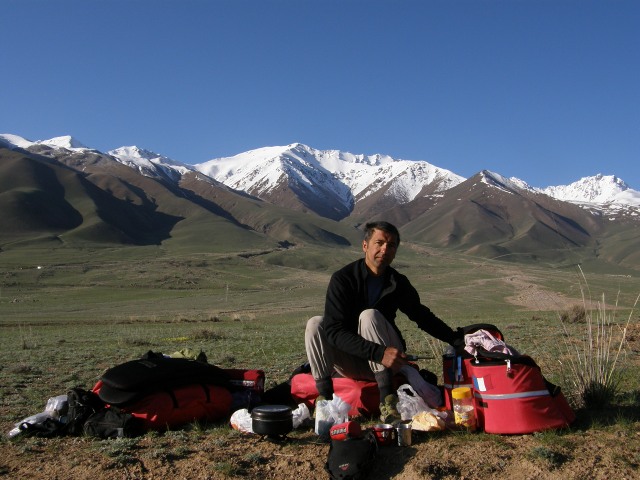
174, 407
362, 395
512, 397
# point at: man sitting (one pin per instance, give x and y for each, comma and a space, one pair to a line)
358, 336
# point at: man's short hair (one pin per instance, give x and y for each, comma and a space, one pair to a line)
384, 226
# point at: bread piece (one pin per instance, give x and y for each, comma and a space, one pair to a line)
427, 422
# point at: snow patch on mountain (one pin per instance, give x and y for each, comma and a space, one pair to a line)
65, 141
508, 185
14, 141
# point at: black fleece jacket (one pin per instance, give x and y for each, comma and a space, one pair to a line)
347, 298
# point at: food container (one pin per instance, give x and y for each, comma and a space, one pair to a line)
272, 420
385, 433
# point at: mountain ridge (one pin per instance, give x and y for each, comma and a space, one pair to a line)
598, 189
295, 194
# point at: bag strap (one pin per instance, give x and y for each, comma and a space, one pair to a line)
483, 354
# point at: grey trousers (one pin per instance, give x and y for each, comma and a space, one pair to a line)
324, 358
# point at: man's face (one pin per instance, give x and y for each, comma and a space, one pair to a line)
379, 251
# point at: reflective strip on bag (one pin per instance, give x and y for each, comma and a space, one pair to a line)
509, 396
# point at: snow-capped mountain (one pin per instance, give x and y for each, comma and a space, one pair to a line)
336, 184
327, 177
606, 193
498, 181
65, 141
149, 163
294, 193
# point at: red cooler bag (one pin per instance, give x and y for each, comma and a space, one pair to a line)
512, 397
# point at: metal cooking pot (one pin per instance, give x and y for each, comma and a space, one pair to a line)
272, 420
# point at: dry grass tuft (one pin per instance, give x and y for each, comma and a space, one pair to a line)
595, 357
575, 314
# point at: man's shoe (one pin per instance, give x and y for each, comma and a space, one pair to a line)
388, 411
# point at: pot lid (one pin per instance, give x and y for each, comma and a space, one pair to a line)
272, 409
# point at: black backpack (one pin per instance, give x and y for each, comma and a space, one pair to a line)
82, 404
352, 459
112, 423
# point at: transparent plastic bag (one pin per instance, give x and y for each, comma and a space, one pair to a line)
330, 413
38, 418
410, 403
57, 407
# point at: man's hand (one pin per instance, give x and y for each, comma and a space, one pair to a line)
393, 358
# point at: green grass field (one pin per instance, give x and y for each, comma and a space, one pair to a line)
65, 316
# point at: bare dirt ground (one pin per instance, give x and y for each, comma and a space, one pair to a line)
577, 454
535, 297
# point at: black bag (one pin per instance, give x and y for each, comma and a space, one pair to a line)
352, 458
112, 423
82, 404
130, 381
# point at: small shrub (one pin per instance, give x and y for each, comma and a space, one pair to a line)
575, 314
553, 458
226, 469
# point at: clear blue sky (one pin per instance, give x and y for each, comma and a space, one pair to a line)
546, 91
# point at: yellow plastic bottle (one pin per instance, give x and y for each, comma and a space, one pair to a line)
463, 411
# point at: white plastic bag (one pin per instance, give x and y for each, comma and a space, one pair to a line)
330, 413
241, 420
410, 403
300, 414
